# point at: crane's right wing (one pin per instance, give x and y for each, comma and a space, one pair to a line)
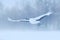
42, 16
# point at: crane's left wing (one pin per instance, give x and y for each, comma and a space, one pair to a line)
20, 20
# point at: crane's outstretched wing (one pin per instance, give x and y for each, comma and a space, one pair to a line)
21, 20
42, 16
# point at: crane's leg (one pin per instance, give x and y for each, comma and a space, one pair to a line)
38, 26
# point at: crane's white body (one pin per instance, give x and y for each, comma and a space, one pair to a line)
31, 20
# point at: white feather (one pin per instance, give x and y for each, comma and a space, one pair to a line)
31, 20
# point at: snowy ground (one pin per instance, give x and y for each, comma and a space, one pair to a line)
29, 35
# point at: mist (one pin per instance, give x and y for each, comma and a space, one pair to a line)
20, 9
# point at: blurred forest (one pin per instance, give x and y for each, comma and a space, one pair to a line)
29, 9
